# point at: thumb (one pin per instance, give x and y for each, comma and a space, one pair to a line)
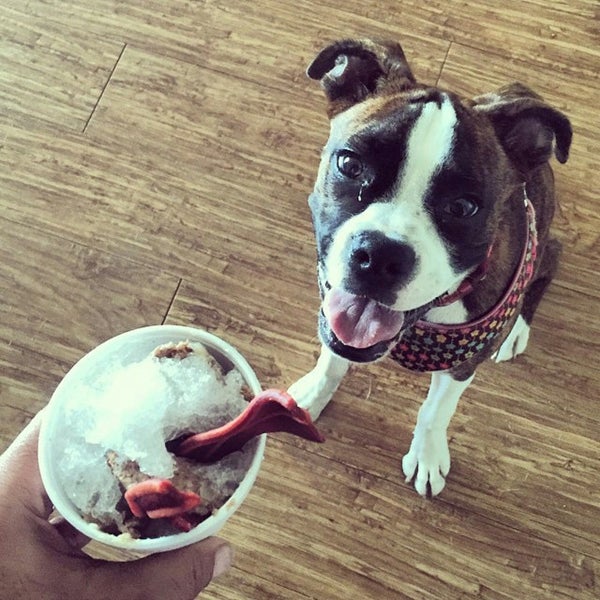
177, 575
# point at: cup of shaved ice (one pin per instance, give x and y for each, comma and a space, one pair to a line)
106, 428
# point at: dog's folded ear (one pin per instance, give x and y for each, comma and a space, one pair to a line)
527, 127
350, 70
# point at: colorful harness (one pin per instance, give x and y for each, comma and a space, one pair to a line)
427, 346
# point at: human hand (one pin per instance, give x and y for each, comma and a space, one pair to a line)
41, 560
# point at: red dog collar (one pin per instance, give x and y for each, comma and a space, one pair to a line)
468, 283
427, 346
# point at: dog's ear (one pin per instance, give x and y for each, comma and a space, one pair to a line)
350, 70
527, 127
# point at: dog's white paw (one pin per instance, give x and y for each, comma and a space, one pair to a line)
427, 462
312, 393
515, 343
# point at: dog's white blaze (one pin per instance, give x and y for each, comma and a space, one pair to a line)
405, 217
429, 145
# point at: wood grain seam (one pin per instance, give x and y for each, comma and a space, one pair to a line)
533, 62
439, 77
100, 96
164, 319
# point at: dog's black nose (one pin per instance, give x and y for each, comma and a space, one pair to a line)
379, 265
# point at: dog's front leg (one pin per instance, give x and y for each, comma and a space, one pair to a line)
428, 460
315, 389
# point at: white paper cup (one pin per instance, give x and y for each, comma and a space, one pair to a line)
130, 347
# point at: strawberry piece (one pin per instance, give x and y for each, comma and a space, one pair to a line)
182, 522
159, 498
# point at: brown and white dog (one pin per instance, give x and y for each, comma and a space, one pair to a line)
432, 219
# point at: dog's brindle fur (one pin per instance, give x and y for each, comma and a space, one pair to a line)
501, 144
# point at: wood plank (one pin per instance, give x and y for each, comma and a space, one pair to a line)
241, 38
50, 78
97, 196
181, 220
324, 517
551, 36
183, 28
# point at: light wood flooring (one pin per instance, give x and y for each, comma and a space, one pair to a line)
155, 160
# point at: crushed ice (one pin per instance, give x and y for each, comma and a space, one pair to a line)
134, 409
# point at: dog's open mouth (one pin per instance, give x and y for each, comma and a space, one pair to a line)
360, 322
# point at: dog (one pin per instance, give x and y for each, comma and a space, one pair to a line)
431, 215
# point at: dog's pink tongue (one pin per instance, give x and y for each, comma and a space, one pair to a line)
358, 321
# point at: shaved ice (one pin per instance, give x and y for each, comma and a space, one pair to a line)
128, 413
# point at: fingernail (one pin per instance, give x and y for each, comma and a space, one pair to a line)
223, 559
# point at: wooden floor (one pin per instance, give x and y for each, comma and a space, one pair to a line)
155, 160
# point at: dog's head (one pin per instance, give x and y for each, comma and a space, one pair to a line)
410, 187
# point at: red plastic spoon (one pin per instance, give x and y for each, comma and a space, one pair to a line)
268, 412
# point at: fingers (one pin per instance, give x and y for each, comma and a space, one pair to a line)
177, 575
74, 538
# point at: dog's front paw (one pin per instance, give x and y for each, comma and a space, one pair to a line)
427, 462
312, 393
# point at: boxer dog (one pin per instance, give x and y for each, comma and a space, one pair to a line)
432, 217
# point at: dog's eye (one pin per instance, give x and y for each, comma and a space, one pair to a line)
461, 208
349, 165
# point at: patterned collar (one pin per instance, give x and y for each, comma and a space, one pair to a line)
427, 346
